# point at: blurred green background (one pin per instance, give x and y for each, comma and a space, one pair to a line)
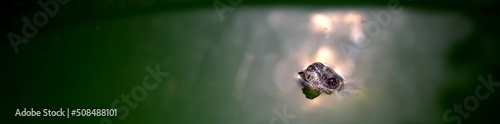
241, 69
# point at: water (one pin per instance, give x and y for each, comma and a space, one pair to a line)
242, 69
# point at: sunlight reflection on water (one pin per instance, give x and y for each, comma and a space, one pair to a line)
260, 50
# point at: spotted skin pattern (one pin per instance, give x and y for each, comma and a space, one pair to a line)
319, 78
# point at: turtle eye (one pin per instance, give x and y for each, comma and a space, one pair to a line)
334, 83
300, 72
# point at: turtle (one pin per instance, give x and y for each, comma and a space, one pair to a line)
319, 78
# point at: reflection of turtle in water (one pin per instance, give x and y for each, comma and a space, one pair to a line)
318, 78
